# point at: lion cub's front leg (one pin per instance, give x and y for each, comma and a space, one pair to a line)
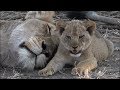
84, 67
56, 64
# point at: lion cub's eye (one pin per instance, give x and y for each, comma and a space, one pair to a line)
81, 36
68, 37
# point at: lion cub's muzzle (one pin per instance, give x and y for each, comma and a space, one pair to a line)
75, 52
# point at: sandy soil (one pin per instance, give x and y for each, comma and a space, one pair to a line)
108, 69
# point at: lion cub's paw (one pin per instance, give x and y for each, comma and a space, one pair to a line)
80, 71
83, 68
46, 72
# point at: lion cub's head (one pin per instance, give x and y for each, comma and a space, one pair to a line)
76, 35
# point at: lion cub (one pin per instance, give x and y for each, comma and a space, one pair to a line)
80, 43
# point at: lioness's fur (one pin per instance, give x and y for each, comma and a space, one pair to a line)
31, 40
81, 43
42, 15
30, 44
6, 28
92, 15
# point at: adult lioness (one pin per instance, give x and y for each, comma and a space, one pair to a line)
30, 45
80, 42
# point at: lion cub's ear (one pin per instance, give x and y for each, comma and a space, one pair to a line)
60, 26
90, 25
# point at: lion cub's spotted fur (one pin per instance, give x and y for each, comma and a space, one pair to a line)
81, 43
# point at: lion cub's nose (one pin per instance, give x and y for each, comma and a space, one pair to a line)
74, 47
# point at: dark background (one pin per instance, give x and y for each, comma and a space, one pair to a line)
59, 4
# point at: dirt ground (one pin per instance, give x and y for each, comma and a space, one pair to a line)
108, 69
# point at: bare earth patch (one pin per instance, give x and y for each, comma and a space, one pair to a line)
108, 69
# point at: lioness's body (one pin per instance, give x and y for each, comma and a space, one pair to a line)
86, 49
25, 46
92, 15
42, 15
6, 28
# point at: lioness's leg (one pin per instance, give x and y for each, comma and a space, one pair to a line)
85, 66
34, 45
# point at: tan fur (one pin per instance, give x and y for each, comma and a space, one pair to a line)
42, 15
81, 43
6, 28
28, 38
30, 44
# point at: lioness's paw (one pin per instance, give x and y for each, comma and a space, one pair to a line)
46, 72
34, 44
